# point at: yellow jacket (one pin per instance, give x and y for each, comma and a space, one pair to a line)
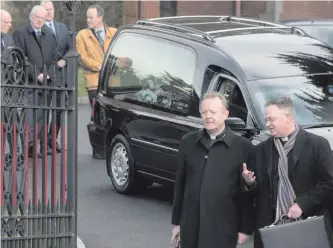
92, 54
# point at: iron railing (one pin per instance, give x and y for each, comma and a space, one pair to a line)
39, 190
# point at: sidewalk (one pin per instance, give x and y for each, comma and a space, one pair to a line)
80, 243
83, 100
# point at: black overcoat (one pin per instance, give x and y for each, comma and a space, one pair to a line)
39, 52
210, 204
310, 173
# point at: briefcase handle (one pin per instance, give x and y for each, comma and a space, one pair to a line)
285, 219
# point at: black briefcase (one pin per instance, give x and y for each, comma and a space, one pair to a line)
308, 233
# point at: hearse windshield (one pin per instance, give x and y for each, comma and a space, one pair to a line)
312, 97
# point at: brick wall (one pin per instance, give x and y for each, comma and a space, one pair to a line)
254, 9
150, 9
205, 8
307, 9
130, 12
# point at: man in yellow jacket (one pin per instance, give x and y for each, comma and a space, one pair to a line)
91, 44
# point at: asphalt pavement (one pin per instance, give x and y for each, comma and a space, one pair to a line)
107, 219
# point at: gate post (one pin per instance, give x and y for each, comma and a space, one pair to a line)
72, 123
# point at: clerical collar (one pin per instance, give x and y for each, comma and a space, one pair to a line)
213, 136
284, 139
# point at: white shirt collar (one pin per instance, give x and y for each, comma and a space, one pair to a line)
97, 29
36, 30
49, 22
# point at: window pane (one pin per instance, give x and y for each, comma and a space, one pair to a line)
312, 96
152, 71
323, 33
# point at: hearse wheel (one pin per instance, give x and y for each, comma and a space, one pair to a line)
121, 166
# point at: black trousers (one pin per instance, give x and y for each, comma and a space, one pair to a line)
57, 119
92, 94
61, 76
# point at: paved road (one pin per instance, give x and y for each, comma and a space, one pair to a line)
107, 219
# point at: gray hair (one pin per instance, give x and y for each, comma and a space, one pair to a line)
35, 9
99, 9
215, 94
46, 1
282, 102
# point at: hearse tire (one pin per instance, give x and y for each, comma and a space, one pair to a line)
121, 166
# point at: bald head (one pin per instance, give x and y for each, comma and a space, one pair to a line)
37, 16
6, 21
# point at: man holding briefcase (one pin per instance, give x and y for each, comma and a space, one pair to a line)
293, 172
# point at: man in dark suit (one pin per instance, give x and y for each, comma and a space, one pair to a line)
60, 32
293, 169
39, 46
6, 24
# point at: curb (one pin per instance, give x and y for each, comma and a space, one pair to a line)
83, 100
80, 243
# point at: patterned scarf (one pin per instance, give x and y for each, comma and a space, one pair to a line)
286, 194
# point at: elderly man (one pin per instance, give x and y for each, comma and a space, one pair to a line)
39, 46
92, 44
61, 35
6, 24
294, 169
211, 208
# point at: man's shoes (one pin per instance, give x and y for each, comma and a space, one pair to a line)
31, 152
58, 148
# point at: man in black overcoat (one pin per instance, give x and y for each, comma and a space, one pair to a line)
61, 35
39, 46
210, 208
304, 161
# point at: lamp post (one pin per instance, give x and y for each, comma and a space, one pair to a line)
72, 58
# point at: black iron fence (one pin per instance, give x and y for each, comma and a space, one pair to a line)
38, 193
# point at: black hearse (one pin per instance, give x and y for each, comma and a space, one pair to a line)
155, 72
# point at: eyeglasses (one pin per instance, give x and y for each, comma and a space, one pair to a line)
273, 119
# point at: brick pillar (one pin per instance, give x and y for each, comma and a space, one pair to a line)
130, 12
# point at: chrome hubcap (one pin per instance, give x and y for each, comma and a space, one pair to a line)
119, 164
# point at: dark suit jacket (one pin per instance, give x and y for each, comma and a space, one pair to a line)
310, 173
7, 40
62, 38
39, 53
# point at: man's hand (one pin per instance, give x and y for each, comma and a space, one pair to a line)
175, 233
40, 77
61, 63
242, 238
248, 176
295, 211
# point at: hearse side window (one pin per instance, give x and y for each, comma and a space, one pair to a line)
237, 105
152, 72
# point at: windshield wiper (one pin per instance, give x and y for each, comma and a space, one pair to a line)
317, 125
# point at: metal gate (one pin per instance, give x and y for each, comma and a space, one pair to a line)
38, 190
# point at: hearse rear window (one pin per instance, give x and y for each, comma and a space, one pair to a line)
152, 72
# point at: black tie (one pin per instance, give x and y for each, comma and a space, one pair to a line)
51, 26
38, 35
